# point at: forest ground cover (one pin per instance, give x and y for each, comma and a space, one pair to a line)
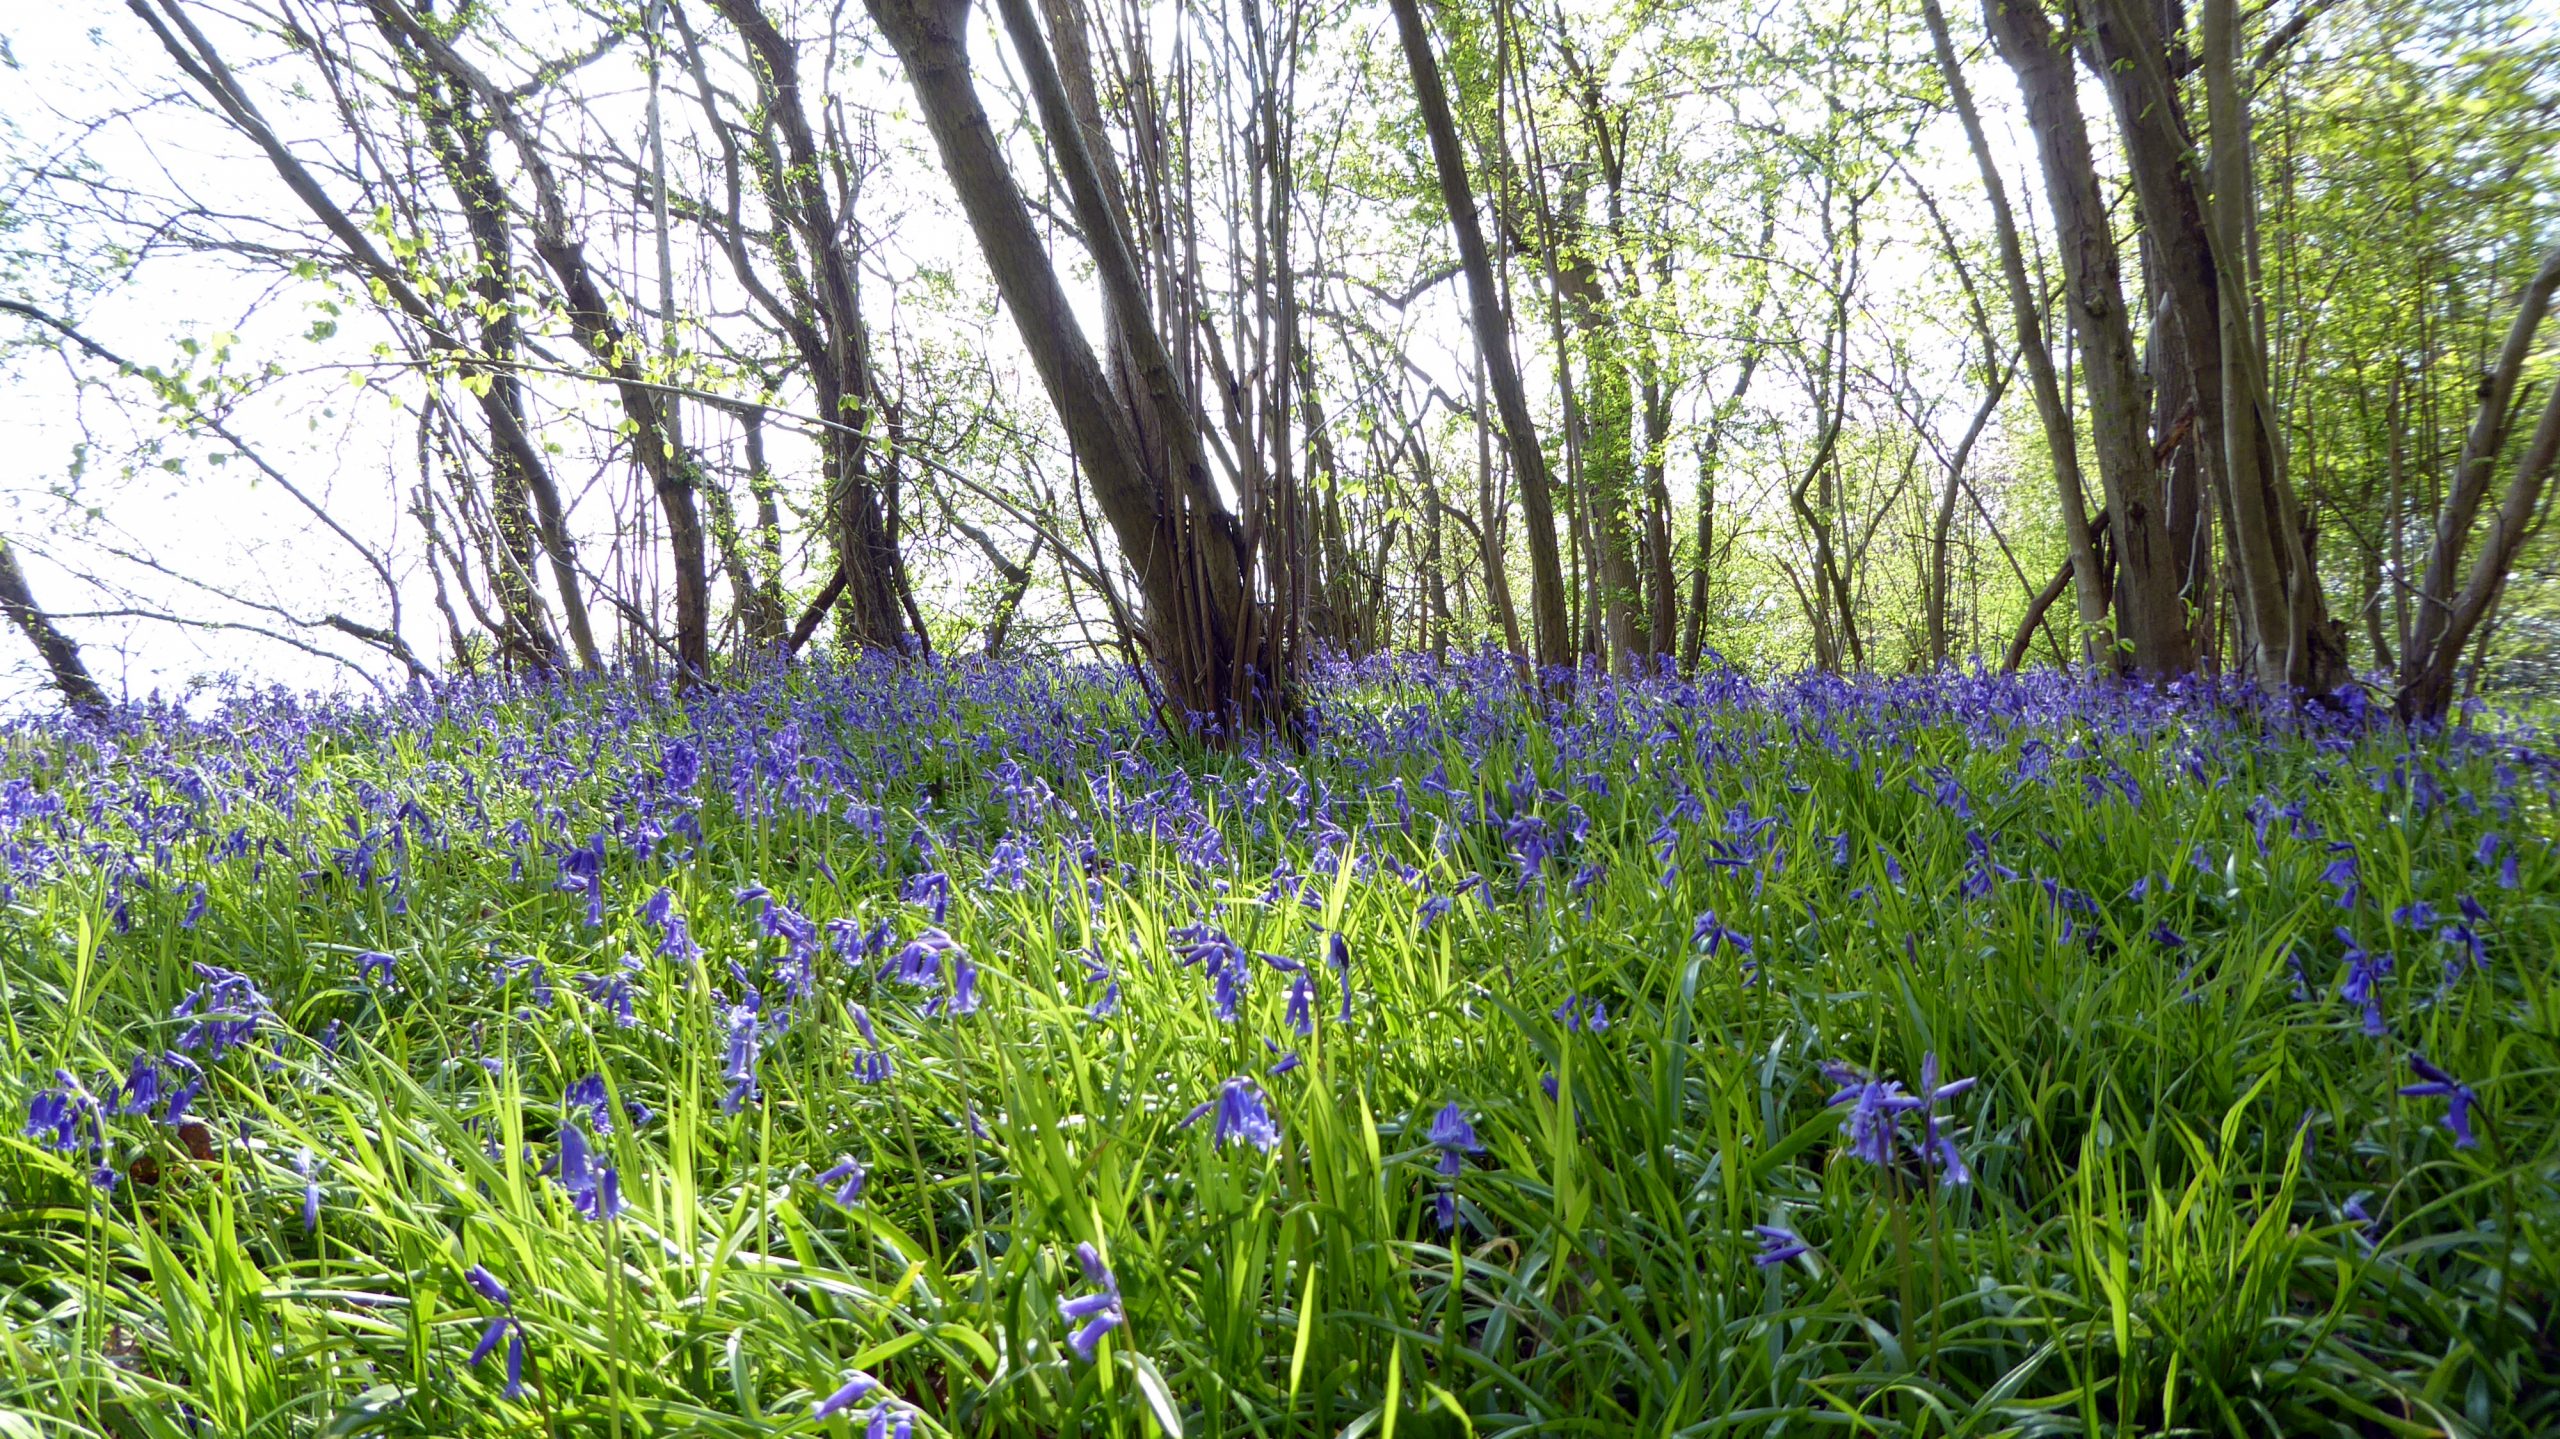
944, 1050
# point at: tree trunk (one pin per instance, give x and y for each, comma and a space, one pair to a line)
1200, 621
592, 317
2061, 444
1493, 341
2147, 605
2445, 621
813, 247
61, 656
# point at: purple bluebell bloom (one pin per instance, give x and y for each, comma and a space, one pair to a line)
2366, 969
1302, 998
487, 1286
843, 1182
227, 1009
1876, 1110
1777, 1245
2435, 1083
1938, 1149
1455, 1138
845, 1398
59, 1115
1242, 1116
1096, 1313
738, 1064
309, 1169
930, 890
1711, 935
871, 1064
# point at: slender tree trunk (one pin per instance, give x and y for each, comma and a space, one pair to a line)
2147, 604
1171, 529
2446, 620
61, 656
594, 319
2043, 381
816, 248
1493, 341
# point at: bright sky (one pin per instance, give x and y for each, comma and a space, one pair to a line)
166, 542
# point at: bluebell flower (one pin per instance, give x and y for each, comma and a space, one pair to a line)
595, 1190
140, 1093
1302, 998
1455, 1138
1242, 1115
1777, 1245
920, 962
504, 1327
2435, 1083
589, 1094
738, 1065
373, 964
963, 998
1096, 1313
1580, 1012
2365, 972
2416, 914
1337, 953
2468, 938
1430, 910
309, 1169
1712, 935
227, 1009
1876, 1110
930, 890
582, 872
60, 1115
845, 1398
871, 1064
487, 1286
1938, 1150
615, 994
501, 1327
843, 1182
675, 936
679, 764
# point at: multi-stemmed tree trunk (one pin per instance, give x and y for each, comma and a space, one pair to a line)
1554, 636
813, 249
2150, 617
2062, 443
2200, 240
595, 319
489, 375
1140, 445
2447, 618
460, 141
